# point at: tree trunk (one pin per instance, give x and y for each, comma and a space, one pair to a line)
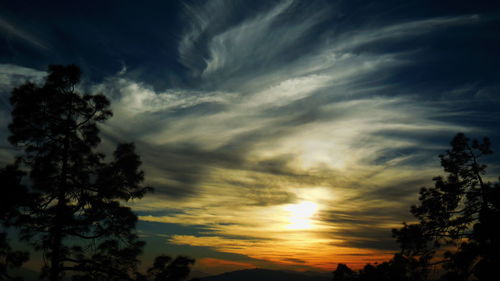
56, 243
57, 233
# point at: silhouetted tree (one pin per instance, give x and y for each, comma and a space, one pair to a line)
398, 268
343, 273
76, 216
457, 225
457, 218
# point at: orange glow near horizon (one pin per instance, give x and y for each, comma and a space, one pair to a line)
297, 235
291, 236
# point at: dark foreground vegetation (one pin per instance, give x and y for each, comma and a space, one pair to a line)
268, 275
63, 198
67, 202
457, 234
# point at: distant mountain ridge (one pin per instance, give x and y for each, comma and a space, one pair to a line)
258, 274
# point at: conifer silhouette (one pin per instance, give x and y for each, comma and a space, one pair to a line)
75, 214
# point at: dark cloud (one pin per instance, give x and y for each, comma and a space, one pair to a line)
401, 192
373, 215
369, 238
294, 260
264, 194
165, 229
368, 227
184, 166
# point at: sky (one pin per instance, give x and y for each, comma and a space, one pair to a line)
277, 134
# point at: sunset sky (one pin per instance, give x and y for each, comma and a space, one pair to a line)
277, 134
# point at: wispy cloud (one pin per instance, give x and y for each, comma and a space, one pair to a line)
11, 75
400, 31
15, 31
262, 132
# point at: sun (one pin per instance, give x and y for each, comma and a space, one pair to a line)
300, 215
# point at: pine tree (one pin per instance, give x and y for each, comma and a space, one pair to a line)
457, 218
76, 217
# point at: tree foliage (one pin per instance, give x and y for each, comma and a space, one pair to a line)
399, 268
343, 273
456, 218
14, 194
76, 215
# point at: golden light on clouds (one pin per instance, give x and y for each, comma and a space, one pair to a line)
299, 165
302, 222
283, 234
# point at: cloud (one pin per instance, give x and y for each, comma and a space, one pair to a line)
400, 31
11, 30
14, 75
202, 20
244, 41
260, 133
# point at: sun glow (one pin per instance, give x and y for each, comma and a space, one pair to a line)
300, 215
